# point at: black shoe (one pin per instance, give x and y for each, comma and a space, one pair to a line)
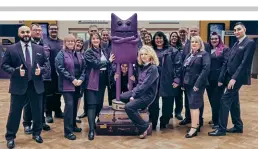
192, 135
163, 126
215, 126
234, 130
78, 121
45, 127
210, 122
171, 116
70, 136
91, 135
38, 139
179, 116
217, 132
82, 115
59, 115
49, 119
185, 122
76, 129
10, 144
198, 129
27, 130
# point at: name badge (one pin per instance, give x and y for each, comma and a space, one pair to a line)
241, 47
199, 55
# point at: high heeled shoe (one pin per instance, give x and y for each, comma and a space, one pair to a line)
198, 129
192, 135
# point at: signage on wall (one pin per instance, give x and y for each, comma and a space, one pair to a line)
93, 22
229, 33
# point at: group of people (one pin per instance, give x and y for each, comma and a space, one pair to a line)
43, 70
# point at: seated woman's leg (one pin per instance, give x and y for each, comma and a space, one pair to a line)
132, 109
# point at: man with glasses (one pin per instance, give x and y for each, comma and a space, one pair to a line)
53, 102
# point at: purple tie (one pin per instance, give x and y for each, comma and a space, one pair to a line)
28, 60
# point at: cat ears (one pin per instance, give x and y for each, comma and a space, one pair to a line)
133, 18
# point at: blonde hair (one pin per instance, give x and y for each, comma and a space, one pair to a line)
151, 52
198, 38
68, 37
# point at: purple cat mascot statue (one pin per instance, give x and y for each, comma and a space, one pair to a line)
124, 35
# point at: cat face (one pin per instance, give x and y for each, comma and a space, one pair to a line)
124, 28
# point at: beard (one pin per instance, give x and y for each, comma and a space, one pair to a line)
25, 39
36, 39
54, 35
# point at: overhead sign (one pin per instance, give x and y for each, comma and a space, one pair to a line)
93, 22
229, 33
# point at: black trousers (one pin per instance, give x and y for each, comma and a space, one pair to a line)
154, 111
53, 103
132, 109
214, 94
70, 111
178, 103
16, 105
167, 109
27, 115
230, 102
188, 112
111, 94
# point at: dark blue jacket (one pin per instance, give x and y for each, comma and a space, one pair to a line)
147, 83
217, 61
12, 61
66, 70
171, 72
94, 64
239, 62
197, 72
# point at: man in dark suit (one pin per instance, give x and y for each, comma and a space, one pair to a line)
92, 29
26, 63
235, 73
36, 35
194, 31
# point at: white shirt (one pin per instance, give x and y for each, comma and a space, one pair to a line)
241, 39
103, 58
24, 48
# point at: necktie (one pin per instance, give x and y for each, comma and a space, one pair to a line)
28, 61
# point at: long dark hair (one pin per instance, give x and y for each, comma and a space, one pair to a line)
160, 34
178, 42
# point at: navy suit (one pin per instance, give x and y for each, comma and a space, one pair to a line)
22, 89
238, 67
27, 116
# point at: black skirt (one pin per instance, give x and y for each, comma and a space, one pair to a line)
97, 97
195, 99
